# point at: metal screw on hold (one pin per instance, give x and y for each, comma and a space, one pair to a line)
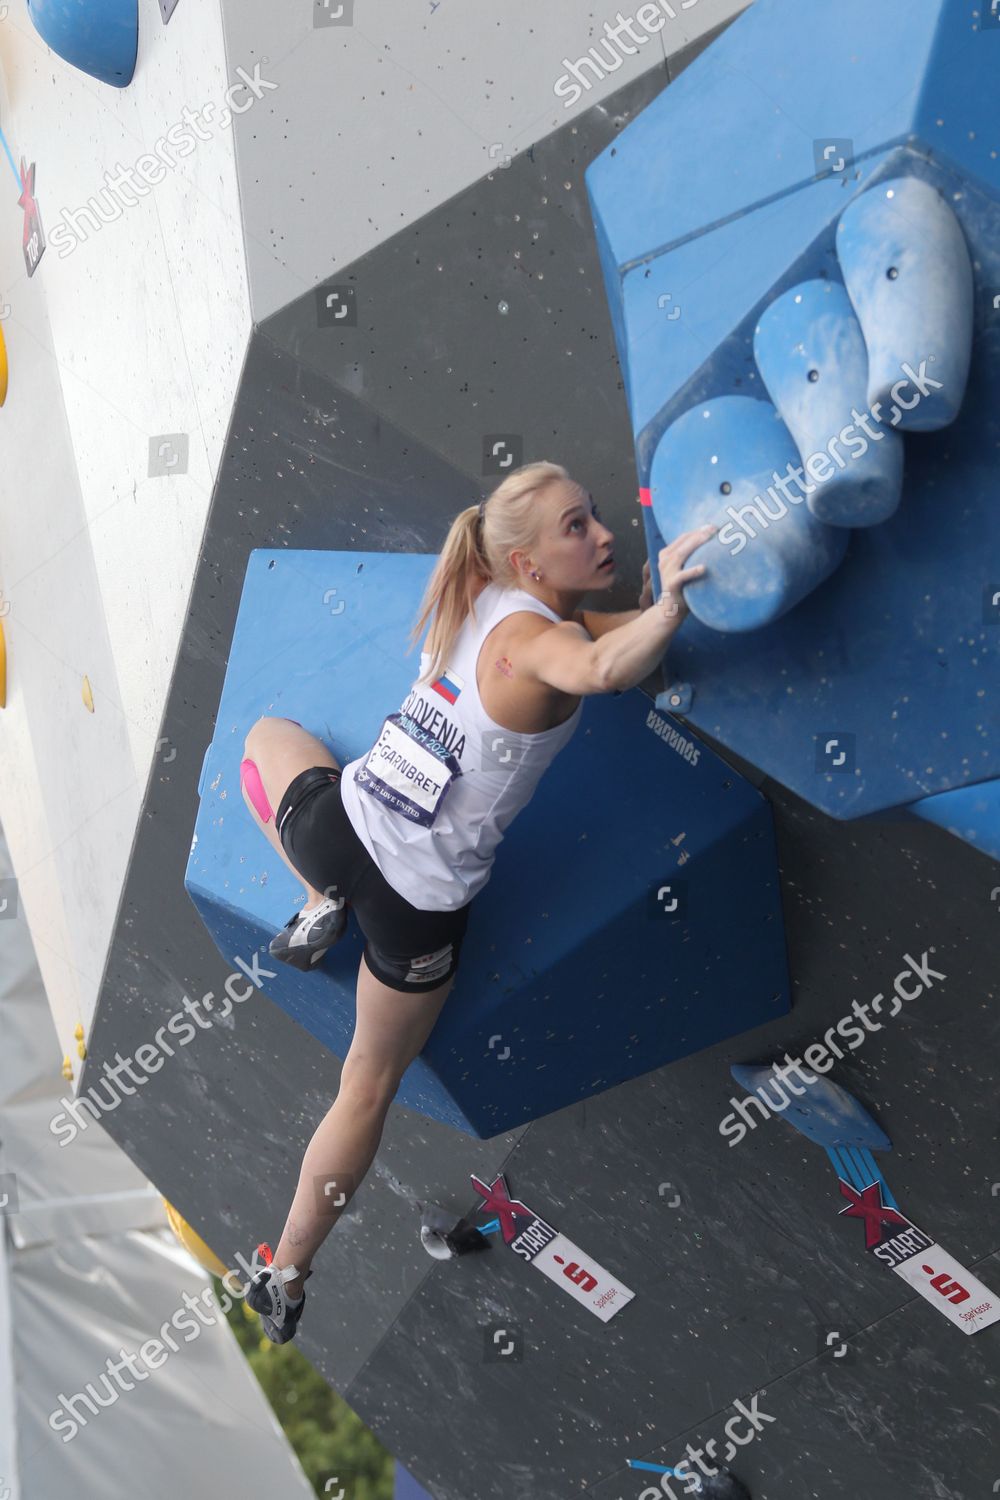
677, 698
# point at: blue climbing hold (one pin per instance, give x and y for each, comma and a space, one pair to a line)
100, 37
821, 1110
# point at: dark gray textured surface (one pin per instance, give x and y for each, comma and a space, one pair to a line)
734, 1284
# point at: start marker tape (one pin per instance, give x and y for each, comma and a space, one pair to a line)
530, 1237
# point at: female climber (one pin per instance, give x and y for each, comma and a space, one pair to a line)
405, 835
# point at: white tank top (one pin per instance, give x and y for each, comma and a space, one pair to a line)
431, 799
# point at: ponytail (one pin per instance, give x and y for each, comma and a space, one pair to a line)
476, 552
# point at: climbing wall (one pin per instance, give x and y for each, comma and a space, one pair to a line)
366, 435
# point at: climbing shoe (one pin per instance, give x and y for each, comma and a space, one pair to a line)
265, 1293
308, 934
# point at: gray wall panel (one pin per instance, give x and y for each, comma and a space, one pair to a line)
364, 126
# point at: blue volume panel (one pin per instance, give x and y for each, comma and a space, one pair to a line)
595, 952
809, 328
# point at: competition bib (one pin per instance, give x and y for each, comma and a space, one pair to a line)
408, 770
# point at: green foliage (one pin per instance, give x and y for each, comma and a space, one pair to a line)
338, 1453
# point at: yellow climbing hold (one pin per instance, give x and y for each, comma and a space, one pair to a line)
3, 368
88, 697
193, 1242
78, 1033
67, 1069
81, 1048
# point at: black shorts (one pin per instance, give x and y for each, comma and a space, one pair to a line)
406, 948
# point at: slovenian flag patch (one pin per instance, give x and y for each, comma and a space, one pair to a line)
449, 685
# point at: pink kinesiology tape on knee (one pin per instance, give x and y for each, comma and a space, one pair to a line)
250, 778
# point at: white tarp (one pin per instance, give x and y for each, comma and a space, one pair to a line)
89, 1271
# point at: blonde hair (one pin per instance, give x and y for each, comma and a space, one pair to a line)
473, 556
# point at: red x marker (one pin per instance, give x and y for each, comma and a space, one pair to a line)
870, 1207
498, 1200
27, 198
